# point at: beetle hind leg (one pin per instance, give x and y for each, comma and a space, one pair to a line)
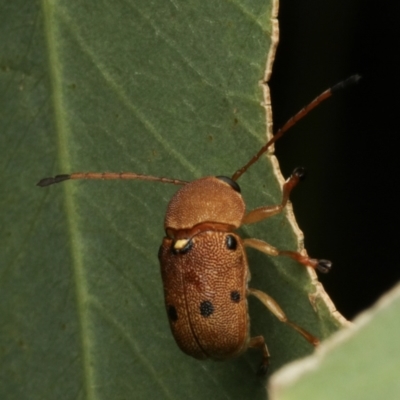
274, 307
258, 342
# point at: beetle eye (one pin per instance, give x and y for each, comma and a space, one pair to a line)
230, 182
231, 242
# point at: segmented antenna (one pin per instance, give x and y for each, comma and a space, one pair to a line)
130, 175
292, 121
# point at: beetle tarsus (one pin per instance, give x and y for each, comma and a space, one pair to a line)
263, 368
300, 173
324, 266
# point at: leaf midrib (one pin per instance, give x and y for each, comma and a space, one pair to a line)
81, 292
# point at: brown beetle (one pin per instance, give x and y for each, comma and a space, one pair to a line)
203, 261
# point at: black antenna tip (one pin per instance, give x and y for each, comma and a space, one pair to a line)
49, 181
347, 82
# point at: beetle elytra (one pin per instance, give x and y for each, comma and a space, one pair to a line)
203, 261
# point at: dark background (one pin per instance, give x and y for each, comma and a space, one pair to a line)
347, 207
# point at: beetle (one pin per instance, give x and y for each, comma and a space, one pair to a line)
203, 261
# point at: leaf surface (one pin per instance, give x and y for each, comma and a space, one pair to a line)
162, 88
361, 362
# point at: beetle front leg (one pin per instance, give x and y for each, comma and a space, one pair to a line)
321, 265
258, 342
268, 211
274, 307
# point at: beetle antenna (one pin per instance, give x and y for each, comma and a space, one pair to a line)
107, 175
292, 121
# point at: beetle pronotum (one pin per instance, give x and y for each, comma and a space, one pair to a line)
203, 262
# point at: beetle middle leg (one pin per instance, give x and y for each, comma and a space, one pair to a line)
274, 307
321, 265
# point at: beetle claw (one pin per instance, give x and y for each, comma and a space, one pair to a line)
299, 172
324, 266
263, 368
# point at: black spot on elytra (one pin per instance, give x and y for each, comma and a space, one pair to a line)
206, 308
172, 314
235, 296
231, 242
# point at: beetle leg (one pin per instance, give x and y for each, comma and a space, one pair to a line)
274, 307
258, 342
321, 265
268, 211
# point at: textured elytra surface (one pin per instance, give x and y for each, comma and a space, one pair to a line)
198, 284
164, 88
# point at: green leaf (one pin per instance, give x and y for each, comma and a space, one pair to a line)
162, 88
361, 362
